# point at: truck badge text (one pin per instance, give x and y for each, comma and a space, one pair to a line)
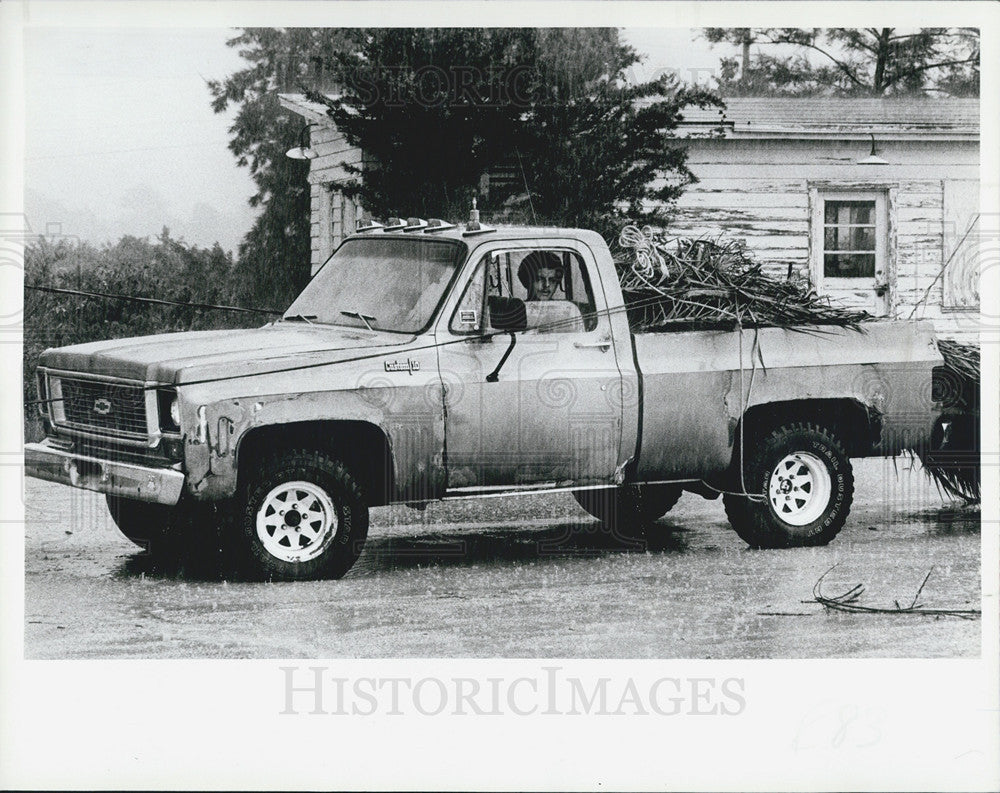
409, 365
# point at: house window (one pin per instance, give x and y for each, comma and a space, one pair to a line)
851, 260
849, 239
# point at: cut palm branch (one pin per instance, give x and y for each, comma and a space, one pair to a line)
677, 283
953, 458
850, 601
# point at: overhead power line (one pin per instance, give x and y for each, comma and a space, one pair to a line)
157, 301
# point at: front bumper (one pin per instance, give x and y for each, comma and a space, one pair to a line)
142, 483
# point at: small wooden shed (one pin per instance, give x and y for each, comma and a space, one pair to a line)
874, 201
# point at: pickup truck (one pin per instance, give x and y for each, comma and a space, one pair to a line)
419, 363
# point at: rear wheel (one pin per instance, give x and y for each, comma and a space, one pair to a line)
302, 516
804, 486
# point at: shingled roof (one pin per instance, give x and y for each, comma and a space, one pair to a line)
743, 117
767, 116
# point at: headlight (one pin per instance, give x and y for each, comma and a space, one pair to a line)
43, 395
169, 409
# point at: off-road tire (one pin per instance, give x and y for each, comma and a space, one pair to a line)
321, 532
807, 484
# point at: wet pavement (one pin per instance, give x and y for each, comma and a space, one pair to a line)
526, 577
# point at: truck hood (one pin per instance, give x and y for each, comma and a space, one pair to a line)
176, 358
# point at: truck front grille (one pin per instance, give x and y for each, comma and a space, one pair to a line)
106, 407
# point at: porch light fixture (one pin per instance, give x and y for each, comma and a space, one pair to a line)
873, 158
303, 151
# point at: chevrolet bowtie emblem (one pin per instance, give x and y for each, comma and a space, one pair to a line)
409, 365
102, 406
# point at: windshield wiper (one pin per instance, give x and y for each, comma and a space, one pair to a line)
300, 318
363, 317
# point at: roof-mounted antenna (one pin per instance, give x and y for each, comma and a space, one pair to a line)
474, 226
527, 190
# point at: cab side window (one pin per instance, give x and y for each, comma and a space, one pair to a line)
552, 286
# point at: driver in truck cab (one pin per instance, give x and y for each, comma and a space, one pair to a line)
542, 274
548, 308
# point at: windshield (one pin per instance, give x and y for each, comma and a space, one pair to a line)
380, 284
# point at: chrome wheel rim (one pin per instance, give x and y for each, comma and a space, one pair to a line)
799, 489
296, 521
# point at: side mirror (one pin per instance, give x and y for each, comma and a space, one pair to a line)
507, 313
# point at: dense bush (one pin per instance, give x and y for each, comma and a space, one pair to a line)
164, 268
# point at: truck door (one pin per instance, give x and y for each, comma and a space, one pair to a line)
547, 409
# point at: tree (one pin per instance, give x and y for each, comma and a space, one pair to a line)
432, 109
436, 109
596, 149
962, 79
274, 256
850, 61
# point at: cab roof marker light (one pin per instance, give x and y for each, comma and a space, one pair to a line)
394, 224
436, 224
415, 224
368, 224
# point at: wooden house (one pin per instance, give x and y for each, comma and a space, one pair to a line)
874, 201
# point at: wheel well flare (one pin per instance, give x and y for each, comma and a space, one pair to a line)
360, 445
857, 426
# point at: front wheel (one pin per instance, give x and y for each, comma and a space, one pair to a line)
803, 486
302, 516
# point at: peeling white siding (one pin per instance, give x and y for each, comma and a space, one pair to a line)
758, 191
333, 215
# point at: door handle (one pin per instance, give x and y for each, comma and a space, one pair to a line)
603, 345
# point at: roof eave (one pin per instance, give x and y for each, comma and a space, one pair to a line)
311, 111
787, 133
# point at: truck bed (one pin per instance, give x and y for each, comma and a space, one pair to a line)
690, 385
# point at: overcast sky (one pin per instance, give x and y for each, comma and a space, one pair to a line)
121, 138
